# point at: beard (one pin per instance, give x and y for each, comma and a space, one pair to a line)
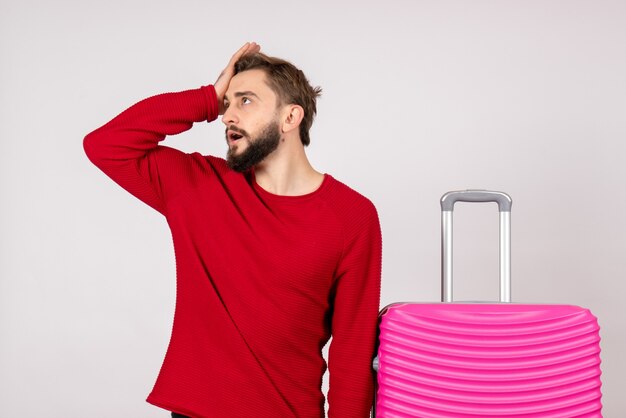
258, 148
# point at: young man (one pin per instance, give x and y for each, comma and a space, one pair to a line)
272, 257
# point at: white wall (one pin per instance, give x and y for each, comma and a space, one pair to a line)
420, 97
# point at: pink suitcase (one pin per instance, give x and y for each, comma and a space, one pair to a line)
471, 360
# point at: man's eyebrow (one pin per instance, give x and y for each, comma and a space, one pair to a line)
244, 93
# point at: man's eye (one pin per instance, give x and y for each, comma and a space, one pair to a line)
226, 104
245, 100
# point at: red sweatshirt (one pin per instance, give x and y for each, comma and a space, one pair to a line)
262, 280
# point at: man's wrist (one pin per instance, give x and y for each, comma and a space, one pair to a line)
212, 102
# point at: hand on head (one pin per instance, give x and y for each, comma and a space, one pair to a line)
221, 85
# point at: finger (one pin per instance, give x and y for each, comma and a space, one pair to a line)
238, 54
254, 48
243, 49
247, 48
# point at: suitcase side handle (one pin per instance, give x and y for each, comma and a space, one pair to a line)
504, 202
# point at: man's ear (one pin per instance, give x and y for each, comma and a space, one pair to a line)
293, 116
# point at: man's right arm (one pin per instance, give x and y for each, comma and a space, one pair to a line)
127, 148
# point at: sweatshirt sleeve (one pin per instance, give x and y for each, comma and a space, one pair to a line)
127, 148
355, 315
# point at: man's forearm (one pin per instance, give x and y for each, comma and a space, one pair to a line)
140, 128
127, 148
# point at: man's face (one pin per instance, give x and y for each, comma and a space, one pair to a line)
252, 125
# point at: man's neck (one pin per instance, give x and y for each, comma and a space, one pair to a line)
288, 172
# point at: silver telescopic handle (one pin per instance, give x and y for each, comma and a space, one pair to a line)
504, 207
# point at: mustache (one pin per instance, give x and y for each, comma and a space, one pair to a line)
235, 129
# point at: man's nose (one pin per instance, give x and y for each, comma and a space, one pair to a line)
229, 117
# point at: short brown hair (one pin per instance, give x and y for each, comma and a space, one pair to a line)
289, 83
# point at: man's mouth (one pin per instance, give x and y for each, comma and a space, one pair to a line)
233, 135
